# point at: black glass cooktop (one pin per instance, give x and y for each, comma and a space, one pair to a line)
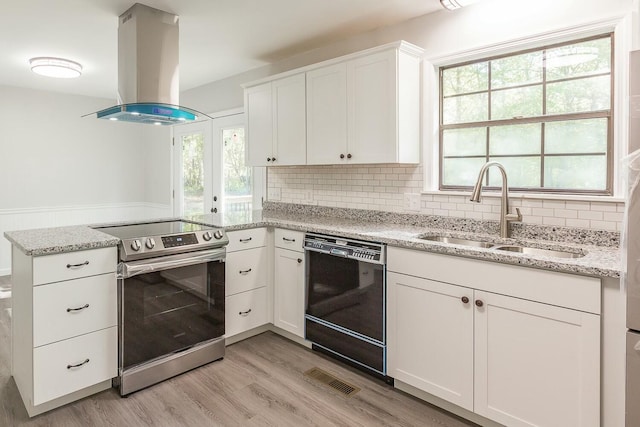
163, 228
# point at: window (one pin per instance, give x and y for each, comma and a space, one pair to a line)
545, 114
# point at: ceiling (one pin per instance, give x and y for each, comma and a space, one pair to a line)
218, 38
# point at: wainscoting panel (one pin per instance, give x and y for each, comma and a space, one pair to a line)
60, 216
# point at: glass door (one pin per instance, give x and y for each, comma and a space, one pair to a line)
210, 174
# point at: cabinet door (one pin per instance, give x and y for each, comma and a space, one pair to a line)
430, 337
536, 364
259, 108
327, 115
290, 131
372, 105
288, 304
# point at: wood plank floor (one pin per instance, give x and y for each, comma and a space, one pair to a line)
260, 382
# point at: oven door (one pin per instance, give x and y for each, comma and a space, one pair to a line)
347, 293
169, 304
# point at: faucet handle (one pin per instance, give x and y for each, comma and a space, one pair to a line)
514, 216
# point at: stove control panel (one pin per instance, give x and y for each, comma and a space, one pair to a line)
180, 240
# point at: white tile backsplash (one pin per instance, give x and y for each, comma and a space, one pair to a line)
382, 187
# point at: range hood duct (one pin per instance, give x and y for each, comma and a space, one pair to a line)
148, 71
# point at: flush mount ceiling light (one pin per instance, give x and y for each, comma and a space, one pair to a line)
55, 67
456, 4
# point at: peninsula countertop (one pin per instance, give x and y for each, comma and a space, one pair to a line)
599, 260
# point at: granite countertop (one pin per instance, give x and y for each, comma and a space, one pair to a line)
602, 257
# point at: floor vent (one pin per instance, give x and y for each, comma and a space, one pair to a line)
326, 378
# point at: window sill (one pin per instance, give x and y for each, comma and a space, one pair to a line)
532, 196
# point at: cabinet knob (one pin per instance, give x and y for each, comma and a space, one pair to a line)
299, 260
342, 156
273, 159
349, 156
268, 159
465, 300
479, 303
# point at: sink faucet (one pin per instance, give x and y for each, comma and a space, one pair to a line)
505, 216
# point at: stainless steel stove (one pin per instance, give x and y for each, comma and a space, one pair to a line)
171, 294
154, 239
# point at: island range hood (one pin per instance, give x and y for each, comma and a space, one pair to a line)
148, 71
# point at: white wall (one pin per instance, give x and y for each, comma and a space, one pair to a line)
57, 168
442, 33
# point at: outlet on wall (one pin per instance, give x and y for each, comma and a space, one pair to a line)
412, 201
273, 194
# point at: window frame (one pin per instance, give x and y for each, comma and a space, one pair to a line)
542, 119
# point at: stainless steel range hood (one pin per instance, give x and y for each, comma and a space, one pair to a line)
148, 71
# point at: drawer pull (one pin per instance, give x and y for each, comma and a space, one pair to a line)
78, 265
245, 313
244, 271
245, 240
288, 240
69, 310
78, 365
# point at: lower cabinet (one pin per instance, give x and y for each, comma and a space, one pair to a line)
509, 359
288, 304
245, 311
246, 281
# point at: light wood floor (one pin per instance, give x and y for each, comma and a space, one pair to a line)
260, 382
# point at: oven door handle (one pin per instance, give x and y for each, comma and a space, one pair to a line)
130, 269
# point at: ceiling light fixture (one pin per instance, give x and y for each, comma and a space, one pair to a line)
450, 4
55, 67
456, 4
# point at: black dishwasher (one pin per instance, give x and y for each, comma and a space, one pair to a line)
346, 300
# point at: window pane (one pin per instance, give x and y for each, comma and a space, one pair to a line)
522, 172
468, 108
465, 79
510, 103
576, 136
580, 59
574, 96
464, 142
236, 175
516, 139
516, 70
576, 172
461, 171
193, 174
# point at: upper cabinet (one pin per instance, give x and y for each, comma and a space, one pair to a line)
276, 122
360, 108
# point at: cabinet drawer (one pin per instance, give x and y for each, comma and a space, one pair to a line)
246, 270
73, 265
288, 239
53, 375
245, 311
74, 307
246, 239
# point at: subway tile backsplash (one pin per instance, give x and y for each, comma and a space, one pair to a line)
396, 188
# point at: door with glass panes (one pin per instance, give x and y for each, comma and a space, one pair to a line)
210, 174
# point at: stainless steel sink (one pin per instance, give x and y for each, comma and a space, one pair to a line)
538, 251
456, 241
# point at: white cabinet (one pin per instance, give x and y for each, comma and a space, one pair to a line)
360, 108
276, 122
366, 109
246, 281
501, 355
327, 115
64, 326
289, 294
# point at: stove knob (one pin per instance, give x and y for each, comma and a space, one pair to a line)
150, 243
218, 234
135, 245
207, 236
